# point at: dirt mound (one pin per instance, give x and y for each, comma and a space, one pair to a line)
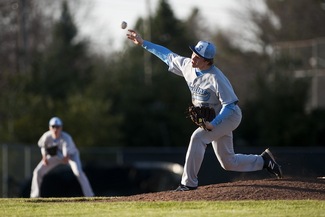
266, 189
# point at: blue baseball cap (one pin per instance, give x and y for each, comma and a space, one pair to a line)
204, 49
55, 121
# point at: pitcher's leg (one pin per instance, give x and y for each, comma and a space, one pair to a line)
76, 168
224, 151
194, 157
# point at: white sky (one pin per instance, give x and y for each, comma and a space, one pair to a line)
102, 24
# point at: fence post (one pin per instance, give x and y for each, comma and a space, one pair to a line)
27, 151
4, 170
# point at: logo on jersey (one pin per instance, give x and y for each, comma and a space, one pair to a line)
199, 94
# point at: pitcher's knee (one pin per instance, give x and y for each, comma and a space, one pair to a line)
197, 139
228, 164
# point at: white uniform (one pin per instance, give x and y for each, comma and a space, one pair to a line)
212, 89
208, 88
65, 147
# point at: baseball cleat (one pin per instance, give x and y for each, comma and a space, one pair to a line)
185, 188
270, 164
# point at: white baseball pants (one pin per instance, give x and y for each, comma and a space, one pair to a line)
41, 170
222, 142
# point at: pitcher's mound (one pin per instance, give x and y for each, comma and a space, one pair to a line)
266, 189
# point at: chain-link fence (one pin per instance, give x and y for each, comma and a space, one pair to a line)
15, 166
156, 166
19, 161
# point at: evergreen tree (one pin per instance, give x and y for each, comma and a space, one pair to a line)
59, 84
154, 114
276, 115
64, 67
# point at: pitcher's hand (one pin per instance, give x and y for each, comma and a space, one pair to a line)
209, 126
135, 37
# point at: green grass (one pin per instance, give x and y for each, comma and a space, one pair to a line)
100, 207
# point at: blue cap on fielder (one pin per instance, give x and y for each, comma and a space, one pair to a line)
204, 49
55, 121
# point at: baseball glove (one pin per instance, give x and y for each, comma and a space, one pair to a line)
199, 115
52, 150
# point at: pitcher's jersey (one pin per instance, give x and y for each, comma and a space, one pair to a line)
211, 89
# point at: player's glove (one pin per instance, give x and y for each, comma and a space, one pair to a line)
199, 115
52, 150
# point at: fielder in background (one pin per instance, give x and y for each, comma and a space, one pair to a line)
209, 89
57, 147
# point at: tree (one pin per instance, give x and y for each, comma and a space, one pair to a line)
154, 115
58, 84
297, 20
276, 114
65, 67
23, 31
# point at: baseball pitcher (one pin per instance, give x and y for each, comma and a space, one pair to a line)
214, 110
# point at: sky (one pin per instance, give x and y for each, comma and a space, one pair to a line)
103, 21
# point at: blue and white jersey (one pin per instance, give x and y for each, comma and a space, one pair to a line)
212, 88
208, 88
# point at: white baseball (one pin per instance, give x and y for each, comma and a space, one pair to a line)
124, 25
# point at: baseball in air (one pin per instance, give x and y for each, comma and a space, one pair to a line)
124, 25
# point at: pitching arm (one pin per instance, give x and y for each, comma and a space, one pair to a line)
158, 50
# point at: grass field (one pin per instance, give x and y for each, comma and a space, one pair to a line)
101, 207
